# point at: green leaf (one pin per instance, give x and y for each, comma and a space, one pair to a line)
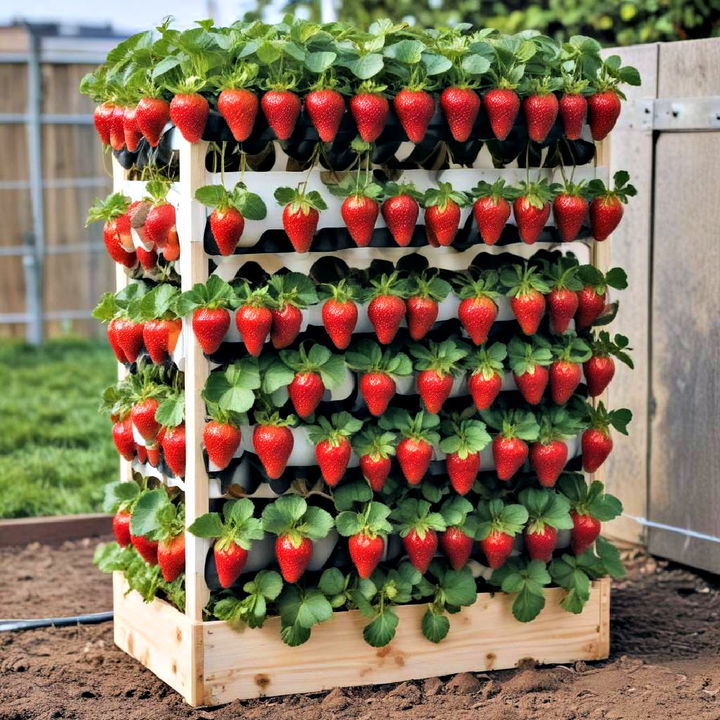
382, 629
475, 64
610, 557
435, 627
459, 587
332, 582
367, 66
332, 372
212, 195
269, 584
406, 51
283, 514
144, 519
319, 62
231, 388
171, 411
435, 64
317, 523
208, 525
348, 523
350, 493
527, 605
277, 375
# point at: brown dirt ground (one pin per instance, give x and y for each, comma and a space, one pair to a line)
665, 662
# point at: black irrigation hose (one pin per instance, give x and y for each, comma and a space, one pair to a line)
33, 624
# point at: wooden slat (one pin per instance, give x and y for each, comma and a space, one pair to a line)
53, 530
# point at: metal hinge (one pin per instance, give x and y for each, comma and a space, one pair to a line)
690, 114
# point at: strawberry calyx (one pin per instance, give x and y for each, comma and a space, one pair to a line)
538, 193
293, 289
274, 419
420, 427
495, 516
334, 430
112, 207
318, 360
458, 512
442, 196
245, 296
463, 437
621, 189
413, 515
487, 360
525, 279
300, 199
544, 508
216, 293
563, 275
526, 356
428, 285
241, 77
444, 357
375, 443
467, 286
368, 357
512, 423
603, 346
589, 500
393, 189
343, 291
388, 285
499, 190
291, 517
236, 526
571, 349
558, 423
600, 419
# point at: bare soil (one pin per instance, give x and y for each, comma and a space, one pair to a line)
665, 662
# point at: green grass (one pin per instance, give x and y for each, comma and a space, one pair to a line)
56, 451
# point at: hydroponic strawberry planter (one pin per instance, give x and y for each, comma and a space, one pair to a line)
411, 471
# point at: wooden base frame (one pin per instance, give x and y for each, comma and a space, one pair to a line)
210, 663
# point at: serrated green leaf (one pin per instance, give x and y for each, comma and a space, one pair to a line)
435, 627
382, 629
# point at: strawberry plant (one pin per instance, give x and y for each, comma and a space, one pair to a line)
596, 441
458, 538
599, 368
424, 293
418, 527
477, 310
462, 441
366, 531
498, 523
566, 367
340, 313
438, 364
549, 455
548, 512
210, 307
491, 209
290, 294
419, 436
606, 207
332, 439
510, 449
528, 362
375, 449
486, 370
525, 579
526, 286
442, 213
301, 213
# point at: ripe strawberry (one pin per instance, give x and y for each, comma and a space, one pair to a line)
599, 371
528, 309
210, 326
374, 448
129, 336
562, 305
400, 213
131, 131
585, 532
443, 223
143, 418
171, 557
173, 446
548, 461
293, 555
153, 455
565, 376
141, 452
596, 446
159, 222
152, 114
333, 459
386, 312
230, 560
326, 108
434, 389
375, 470
420, 547
462, 471
300, 226
484, 389
603, 112
532, 384
359, 213
497, 547
457, 546
159, 336
502, 106
254, 323
573, 109
605, 215
282, 109
569, 210
461, 106
221, 441
121, 527
306, 391
414, 109
590, 304
148, 549
273, 444
189, 113
113, 247
377, 389
366, 551
339, 316
112, 333
541, 543
422, 313
226, 225
414, 455
117, 129
147, 258
370, 111
239, 108
102, 117
477, 314
532, 211
491, 210
541, 110
286, 323
509, 455
438, 363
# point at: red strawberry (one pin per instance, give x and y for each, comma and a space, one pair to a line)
123, 230
590, 305
159, 222
502, 106
286, 324
509, 455
461, 106
102, 117
414, 456
359, 213
366, 551
112, 333
370, 111
158, 337
548, 461
339, 318
606, 211
573, 109
147, 258
189, 113
477, 314
400, 213
306, 391
443, 223
148, 549
565, 376
141, 452
131, 131
254, 324
377, 389
462, 471
143, 417
152, 114
528, 309
531, 216
569, 211
130, 338
282, 109
273, 444
117, 129
226, 225
421, 548
121, 527
153, 454
422, 313
113, 247
599, 371
585, 532
596, 446
173, 445
229, 562
541, 543
239, 107
541, 110
210, 326
325, 108
562, 305
171, 557
386, 313
293, 555
603, 112
414, 109
497, 547
457, 546
491, 214
300, 225
333, 459
434, 389
375, 469
221, 441
484, 390
532, 384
